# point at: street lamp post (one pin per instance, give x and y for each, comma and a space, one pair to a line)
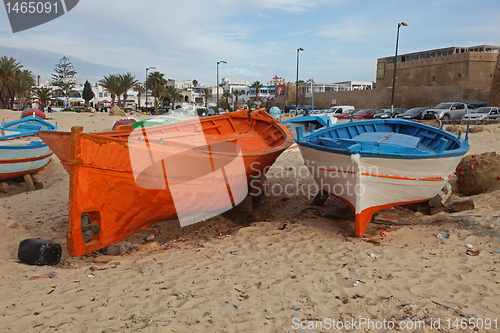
297, 83
395, 63
146, 85
312, 92
217, 106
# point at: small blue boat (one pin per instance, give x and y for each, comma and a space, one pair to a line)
376, 164
24, 127
21, 151
307, 123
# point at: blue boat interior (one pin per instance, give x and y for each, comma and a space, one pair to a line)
23, 127
390, 136
308, 123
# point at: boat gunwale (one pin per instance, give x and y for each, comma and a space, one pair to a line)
122, 137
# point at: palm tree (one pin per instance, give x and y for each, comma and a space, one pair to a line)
112, 84
236, 94
195, 83
227, 95
22, 85
30, 96
127, 82
44, 95
257, 85
66, 87
156, 83
8, 69
139, 89
206, 94
172, 94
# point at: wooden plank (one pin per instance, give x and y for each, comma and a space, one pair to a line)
29, 182
320, 198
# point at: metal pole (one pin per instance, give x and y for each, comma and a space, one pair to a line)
146, 84
217, 106
297, 84
395, 63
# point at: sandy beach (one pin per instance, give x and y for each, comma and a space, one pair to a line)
301, 270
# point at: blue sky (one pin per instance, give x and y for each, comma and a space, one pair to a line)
342, 39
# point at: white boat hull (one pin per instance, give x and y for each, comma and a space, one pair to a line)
18, 162
371, 184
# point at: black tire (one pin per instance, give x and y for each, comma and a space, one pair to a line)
34, 251
446, 117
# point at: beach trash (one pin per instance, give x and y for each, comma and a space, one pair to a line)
34, 251
442, 236
38, 184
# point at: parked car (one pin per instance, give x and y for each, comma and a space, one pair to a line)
346, 115
413, 113
481, 113
365, 114
337, 110
494, 116
386, 113
450, 110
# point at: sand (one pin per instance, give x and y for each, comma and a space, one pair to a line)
298, 271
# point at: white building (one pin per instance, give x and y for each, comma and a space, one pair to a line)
340, 86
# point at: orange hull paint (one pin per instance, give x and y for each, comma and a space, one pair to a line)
363, 219
104, 189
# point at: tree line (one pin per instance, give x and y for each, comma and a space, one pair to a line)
18, 82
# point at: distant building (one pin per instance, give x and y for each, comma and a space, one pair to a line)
470, 67
305, 88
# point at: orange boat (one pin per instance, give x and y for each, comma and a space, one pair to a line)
124, 181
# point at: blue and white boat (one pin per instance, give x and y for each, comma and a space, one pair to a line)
308, 123
376, 164
21, 151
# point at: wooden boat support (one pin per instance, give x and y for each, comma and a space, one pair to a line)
257, 188
122, 182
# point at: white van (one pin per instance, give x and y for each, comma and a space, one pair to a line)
334, 110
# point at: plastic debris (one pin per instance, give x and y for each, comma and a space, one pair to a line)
384, 234
472, 253
469, 246
374, 256
33, 251
442, 236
